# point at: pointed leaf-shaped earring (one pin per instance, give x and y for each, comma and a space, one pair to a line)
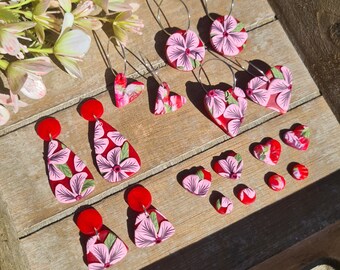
116, 159
69, 177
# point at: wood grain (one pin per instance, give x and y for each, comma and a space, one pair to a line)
57, 246
97, 78
161, 141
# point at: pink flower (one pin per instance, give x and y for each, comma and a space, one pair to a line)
195, 185
223, 39
185, 49
116, 137
231, 167
56, 158
113, 168
257, 90
100, 144
76, 193
105, 257
236, 113
215, 101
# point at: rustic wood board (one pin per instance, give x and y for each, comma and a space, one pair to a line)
57, 246
176, 136
95, 80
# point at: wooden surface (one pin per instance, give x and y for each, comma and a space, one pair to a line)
40, 231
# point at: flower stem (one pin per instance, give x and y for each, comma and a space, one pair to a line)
42, 50
19, 4
27, 14
100, 18
4, 64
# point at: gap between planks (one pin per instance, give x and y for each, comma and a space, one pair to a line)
156, 170
141, 72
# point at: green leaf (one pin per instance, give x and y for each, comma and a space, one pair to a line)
218, 204
88, 183
154, 220
306, 132
232, 100
238, 158
167, 108
124, 154
110, 240
8, 16
277, 74
238, 28
200, 174
65, 170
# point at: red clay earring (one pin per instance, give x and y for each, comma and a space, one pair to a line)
228, 36
115, 157
69, 177
185, 51
151, 227
103, 247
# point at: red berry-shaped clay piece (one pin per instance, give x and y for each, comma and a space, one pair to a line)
299, 172
48, 129
298, 138
89, 221
277, 182
91, 109
246, 195
224, 205
139, 199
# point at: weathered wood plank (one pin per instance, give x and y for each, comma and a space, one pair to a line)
95, 80
57, 246
161, 141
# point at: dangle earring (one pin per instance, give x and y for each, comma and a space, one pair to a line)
151, 227
228, 36
124, 92
226, 108
184, 49
165, 101
103, 247
69, 178
115, 157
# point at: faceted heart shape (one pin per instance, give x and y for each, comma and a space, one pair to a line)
299, 172
166, 102
246, 195
268, 152
224, 205
276, 182
230, 167
273, 90
226, 108
199, 183
126, 93
298, 138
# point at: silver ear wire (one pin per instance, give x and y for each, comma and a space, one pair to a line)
205, 3
107, 55
154, 73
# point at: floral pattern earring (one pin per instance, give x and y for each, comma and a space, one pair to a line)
69, 177
228, 36
116, 159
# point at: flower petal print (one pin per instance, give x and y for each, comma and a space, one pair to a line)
257, 90
215, 100
239, 92
231, 167
236, 113
113, 169
79, 165
223, 39
247, 192
116, 137
146, 235
98, 130
105, 257
77, 181
55, 158
184, 50
193, 184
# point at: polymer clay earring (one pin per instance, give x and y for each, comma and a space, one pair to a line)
225, 107
151, 227
229, 165
184, 50
69, 178
124, 92
228, 36
116, 159
198, 183
103, 247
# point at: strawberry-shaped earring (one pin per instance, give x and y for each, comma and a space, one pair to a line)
151, 227
225, 107
297, 137
103, 247
69, 177
228, 36
115, 157
124, 92
184, 50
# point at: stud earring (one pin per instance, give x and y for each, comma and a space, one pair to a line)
69, 178
225, 107
151, 227
184, 50
115, 157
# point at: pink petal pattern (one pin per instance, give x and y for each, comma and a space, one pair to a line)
194, 185
257, 90
126, 93
165, 102
56, 158
116, 137
215, 101
79, 165
231, 167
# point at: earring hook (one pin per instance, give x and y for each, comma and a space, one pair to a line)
146, 62
160, 11
205, 3
201, 68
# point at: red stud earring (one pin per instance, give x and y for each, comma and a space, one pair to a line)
69, 177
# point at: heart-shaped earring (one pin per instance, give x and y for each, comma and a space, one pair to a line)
184, 50
151, 227
230, 166
228, 36
225, 107
198, 183
116, 159
269, 152
103, 247
69, 177
298, 137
